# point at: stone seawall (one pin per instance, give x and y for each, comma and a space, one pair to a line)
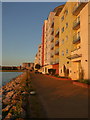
14, 97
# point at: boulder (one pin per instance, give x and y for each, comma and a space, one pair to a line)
16, 96
6, 101
9, 94
14, 102
6, 108
8, 117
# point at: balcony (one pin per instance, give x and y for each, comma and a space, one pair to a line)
78, 7
52, 24
76, 38
52, 46
52, 31
57, 33
57, 42
76, 24
57, 51
52, 39
57, 61
74, 56
76, 53
52, 55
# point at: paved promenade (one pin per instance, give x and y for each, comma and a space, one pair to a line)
60, 98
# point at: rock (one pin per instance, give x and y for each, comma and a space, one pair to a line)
6, 108
9, 94
13, 109
6, 101
32, 93
14, 102
24, 93
8, 117
16, 96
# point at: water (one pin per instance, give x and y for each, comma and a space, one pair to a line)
7, 77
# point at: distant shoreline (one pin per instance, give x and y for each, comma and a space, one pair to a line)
12, 71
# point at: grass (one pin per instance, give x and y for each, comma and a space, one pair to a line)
84, 81
61, 76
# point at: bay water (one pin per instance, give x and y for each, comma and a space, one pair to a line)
6, 77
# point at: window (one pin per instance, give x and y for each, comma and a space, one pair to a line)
66, 25
62, 18
66, 12
63, 41
62, 53
66, 37
68, 62
62, 29
66, 51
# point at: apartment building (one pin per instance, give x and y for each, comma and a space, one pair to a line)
51, 44
56, 34
66, 40
73, 57
28, 66
38, 57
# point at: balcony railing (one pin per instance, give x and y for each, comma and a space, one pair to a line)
76, 38
57, 32
52, 39
76, 24
52, 24
52, 46
52, 31
78, 7
57, 42
52, 54
76, 51
57, 51
74, 56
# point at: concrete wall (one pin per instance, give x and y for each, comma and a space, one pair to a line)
89, 40
84, 39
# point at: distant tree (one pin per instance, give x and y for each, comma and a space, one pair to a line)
37, 66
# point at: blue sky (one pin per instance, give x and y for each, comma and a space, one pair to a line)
21, 29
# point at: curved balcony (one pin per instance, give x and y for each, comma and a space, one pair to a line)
57, 61
57, 33
52, 46
76, 53
76, 38
78, 7
76, 24
57, 42
52, 54
52, 24
52, 39
57, 51
52, 31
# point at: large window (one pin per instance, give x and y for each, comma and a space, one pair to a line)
66, 51
62, 41
62, 18
62, 53
66, 25
62, 29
